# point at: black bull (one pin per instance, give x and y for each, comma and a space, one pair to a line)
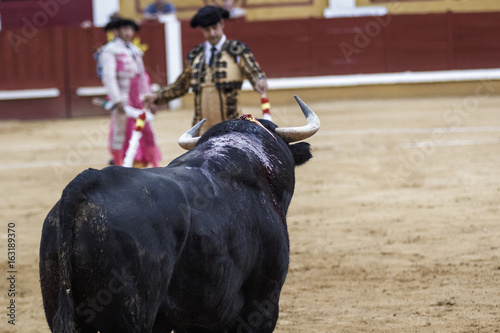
198, 246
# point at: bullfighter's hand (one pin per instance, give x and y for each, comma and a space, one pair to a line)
120, 107
261, 86
149, 100
153, 108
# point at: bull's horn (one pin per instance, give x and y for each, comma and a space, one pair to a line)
188, 140
292, 134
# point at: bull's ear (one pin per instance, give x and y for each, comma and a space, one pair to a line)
301, 152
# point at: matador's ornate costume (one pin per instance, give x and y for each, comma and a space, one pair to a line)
215, 87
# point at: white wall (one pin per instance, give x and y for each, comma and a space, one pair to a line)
103, 9
347, 8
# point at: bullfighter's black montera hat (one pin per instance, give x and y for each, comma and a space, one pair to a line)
209, 15
116, 23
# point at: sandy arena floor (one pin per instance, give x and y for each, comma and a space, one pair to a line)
394, 226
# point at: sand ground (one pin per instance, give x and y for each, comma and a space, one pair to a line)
394, 225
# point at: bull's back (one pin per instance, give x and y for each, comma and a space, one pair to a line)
126, 235
130, 224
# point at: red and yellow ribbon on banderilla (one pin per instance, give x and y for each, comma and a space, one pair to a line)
140, 122
266, 108
265, 105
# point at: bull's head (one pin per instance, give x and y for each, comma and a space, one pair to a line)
288, 134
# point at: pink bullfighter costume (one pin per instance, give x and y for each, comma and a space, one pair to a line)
126, 81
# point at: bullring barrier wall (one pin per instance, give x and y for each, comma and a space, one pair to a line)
51, 68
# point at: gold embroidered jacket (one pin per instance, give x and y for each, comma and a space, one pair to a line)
234, 63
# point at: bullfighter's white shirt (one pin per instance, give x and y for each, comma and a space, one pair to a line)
208, 48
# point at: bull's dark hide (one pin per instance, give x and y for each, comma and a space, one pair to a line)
198, 246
